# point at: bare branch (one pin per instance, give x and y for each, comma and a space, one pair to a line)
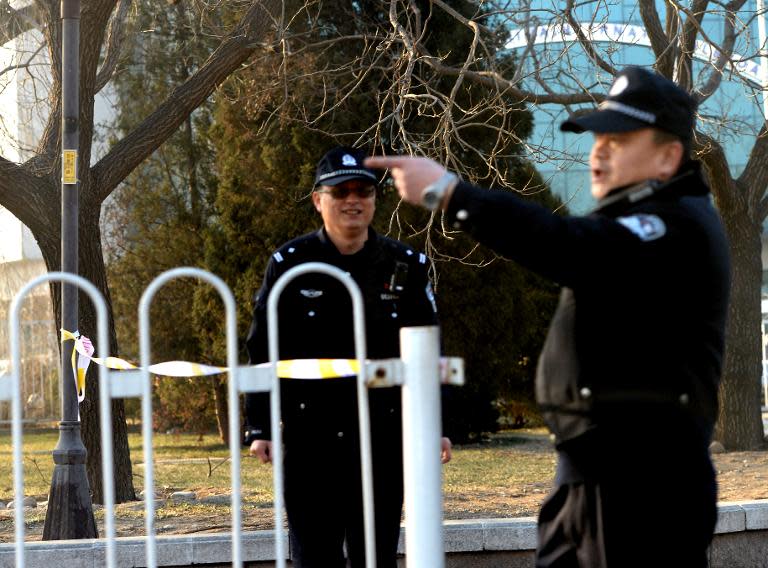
16, 21
454, 14
712, 156
660, 43
26, 64
23, 194
494, 79
169, 115
586, 44
115, 41
684, 70
725, 52
49, 141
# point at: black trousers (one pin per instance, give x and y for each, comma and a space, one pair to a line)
652, 512
324, 504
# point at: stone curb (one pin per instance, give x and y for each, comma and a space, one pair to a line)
460, 536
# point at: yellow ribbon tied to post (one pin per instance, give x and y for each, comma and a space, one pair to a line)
81, 358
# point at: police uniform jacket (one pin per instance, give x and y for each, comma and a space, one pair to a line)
637, 338
315, 321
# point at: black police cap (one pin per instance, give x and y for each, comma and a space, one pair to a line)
343, 164
640, 98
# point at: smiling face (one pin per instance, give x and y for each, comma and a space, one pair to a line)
346, 217
619, 159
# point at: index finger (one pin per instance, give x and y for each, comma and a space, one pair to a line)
386, 162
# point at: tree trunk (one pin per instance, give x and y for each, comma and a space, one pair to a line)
740, 425
91, 263
222, 412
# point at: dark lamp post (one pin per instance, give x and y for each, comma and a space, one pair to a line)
70, 513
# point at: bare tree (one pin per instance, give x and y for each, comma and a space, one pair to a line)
564, 59
31, 189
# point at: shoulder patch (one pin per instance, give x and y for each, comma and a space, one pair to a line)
646, 227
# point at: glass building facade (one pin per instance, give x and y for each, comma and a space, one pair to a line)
548, 50
732, 115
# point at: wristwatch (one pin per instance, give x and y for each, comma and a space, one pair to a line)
434, 193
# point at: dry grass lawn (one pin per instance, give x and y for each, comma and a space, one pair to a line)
507, 476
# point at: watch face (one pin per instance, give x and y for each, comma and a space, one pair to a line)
431, 197
433, 194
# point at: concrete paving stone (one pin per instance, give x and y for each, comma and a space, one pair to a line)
69, 553
510, 534
260, 545
127, 552
212, 549
730, 518
463, 536
757, 514
173, 550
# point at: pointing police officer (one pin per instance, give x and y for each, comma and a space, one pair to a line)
323, 493
628, 375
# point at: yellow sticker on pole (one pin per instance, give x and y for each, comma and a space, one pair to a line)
69, 167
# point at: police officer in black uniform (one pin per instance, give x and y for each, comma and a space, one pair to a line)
628, 375
323, 492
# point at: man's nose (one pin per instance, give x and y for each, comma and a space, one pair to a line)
352, 196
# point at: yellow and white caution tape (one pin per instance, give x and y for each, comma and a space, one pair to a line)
288, 369
316, 368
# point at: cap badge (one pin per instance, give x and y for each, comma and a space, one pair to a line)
348, 160
619, 85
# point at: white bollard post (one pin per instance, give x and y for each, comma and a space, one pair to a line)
420, 352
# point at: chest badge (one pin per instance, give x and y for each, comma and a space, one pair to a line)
311, 293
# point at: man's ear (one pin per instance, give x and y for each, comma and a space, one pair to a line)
316, 201
671, 159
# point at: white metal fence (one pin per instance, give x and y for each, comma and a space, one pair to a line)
418, 372
10, 385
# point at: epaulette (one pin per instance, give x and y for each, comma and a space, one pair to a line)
294, 249
401, 249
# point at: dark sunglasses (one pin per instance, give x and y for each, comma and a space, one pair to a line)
343, 191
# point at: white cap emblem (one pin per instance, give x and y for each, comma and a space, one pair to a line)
348, 160
619, 85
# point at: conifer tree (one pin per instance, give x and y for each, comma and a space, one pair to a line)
337, 86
